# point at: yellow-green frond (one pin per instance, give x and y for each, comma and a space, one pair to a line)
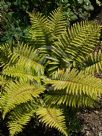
19, 92
52, 117
20, 117
56, 23
22, 72
27, 56
61, 97
73, 85
73, 46
38, 32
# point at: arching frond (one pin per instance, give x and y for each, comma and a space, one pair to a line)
27, 56
52, 117
56, 23
72, 100
84, 37
93, 63
22, 72
68, 86
19, 92
72, 47
20, 117
38, 31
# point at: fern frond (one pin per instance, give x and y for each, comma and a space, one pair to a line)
28, 57
72, 47
39, 32
84, 36
69, 85
56, 23
93, 63
22, 72
19, 92
79, 100
53, 118
20, 117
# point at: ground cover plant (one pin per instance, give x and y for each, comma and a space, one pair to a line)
54, 73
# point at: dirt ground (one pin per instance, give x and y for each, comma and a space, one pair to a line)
91, 121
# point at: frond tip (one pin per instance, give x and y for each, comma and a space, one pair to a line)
20, 117
53, 118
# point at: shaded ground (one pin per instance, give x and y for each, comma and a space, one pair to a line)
91, 121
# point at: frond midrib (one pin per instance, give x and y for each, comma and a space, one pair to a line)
30, 89
74, 82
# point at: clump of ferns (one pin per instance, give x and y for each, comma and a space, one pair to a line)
56, 72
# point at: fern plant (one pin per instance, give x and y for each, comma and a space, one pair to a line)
57, 71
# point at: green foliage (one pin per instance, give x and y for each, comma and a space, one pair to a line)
73, 88
93, 63
56, 23
15, 20
78, 9
18, 93
25, 89
45, 30
11, 29
54, 73
74, 45
53, 116
20, 116
38, 31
